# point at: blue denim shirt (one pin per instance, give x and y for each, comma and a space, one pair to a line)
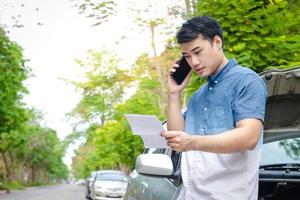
232, 94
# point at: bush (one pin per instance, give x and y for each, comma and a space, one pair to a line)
13, 185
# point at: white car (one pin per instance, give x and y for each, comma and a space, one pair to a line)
109, 183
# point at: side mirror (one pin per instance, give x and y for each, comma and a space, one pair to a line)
154, 164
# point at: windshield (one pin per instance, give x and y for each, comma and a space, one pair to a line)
282, 151
111, 177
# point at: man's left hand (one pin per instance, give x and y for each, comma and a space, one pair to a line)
178, 140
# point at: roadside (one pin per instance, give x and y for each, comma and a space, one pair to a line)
3, 189
15, 186
50, 192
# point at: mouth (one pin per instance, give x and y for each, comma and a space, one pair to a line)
199, 70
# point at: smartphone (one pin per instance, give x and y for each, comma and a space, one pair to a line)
182, 71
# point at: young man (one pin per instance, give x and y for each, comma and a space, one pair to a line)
220, 134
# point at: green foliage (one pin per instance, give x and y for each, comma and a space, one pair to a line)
260, 34
83, 162
13, 185
112, 146
23, 142
12, 74
44, 150
12, 114
102, 88
40, 149
115, 146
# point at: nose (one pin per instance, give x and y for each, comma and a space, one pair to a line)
194, 61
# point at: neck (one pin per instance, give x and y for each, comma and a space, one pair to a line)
223, 62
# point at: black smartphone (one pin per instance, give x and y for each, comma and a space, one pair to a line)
182, 71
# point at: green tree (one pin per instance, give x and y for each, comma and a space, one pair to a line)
260, 34
44, 153
102, 88
83, 162
112, 146
13, 73
12, 114
24, 144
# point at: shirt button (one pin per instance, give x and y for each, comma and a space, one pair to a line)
205, 109
202, 129
216, 82
210, 88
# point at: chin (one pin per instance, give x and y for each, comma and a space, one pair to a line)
203, 74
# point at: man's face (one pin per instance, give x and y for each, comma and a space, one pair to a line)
204, 57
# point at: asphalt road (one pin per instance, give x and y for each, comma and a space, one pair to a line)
55, 192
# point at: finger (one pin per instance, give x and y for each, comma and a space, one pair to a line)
169, 144
172, 145
178, 60
173, 139
166, 134
169, 134
172, 70
175, 65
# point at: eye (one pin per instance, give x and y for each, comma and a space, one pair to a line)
198, 52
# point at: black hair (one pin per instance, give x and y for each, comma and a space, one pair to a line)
208, 27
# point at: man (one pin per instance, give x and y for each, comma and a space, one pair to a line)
220, 134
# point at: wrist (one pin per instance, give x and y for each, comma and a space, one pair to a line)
174, 96
196, 142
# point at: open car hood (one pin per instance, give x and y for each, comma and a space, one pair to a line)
283, 103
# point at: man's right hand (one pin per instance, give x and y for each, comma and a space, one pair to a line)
173, 88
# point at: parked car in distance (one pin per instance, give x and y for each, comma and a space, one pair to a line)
80, 182
89, 183
109, 183
157, 172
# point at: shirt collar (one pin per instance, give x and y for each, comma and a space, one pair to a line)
219, 75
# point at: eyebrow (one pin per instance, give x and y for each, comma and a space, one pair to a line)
194, 49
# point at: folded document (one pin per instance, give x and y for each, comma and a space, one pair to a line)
149, 128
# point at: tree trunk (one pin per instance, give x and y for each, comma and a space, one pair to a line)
194, 4
13, 165
191, 7
7, 170
188, 7
32, 175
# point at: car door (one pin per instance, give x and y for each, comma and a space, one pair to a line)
142, 187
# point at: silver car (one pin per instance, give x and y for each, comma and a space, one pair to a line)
109, 183
157, 172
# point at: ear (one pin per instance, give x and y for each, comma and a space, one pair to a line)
218, 42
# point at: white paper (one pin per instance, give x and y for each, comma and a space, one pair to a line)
149, 128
